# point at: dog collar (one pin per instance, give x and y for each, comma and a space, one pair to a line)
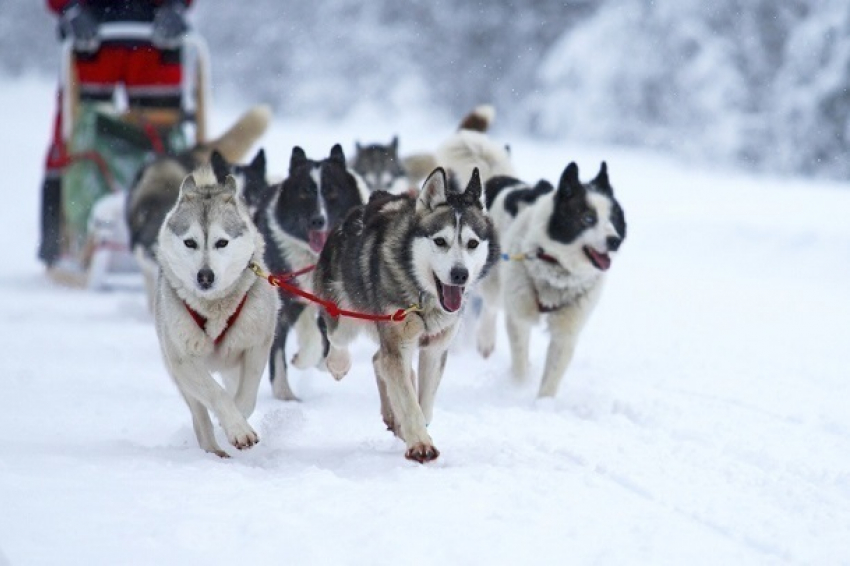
543, 256
201, 320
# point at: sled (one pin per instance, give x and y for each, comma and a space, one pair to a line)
106, 148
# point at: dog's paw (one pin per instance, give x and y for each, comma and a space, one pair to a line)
308, 357
486, 342
422, 452
338, 362
242, 436
281, 390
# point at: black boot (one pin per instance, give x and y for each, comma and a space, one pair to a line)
50, 248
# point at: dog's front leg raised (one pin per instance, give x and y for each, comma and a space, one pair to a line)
196, 383
393, 365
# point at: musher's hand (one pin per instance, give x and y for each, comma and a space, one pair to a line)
78, 23
169, 25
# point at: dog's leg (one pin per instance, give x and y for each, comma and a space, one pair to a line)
277, 358
386, 409
340, 334
310, 343
487, 330
250, 376
519, 334
564, 327
393, 364
432, 364
203, 427
486, 336
197, 384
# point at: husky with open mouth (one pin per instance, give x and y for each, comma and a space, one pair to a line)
398, 251
295, 223
557, 244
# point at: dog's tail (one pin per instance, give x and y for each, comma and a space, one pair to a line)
238, 139
479, 119
471, 147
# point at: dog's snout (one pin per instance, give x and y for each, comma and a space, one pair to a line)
317, 222
459, 275
206, 278
613, 243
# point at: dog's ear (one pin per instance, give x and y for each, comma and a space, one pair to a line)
394, 147
188, 189
601, 182
297, 159
433, 191
230, 188
220, 166
569, 182
472, 194
259, 162
337, 154
357, 147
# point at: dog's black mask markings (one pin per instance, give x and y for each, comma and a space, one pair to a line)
572, 213
301, 209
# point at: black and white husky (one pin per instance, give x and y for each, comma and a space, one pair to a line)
295, 223
212, 313
394, 252
557, 246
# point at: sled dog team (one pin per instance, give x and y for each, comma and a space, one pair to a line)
208, 230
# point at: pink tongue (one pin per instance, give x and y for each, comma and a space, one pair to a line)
452, 297
317, 239
603, 261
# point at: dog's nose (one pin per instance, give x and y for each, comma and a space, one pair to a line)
459, 275
206, 278
613, 243
317, 223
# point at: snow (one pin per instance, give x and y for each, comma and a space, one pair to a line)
703, 421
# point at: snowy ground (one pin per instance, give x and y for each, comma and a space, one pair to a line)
704, 420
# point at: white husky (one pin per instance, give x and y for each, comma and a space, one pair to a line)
212, 313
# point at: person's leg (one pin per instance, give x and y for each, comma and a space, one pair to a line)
50, 244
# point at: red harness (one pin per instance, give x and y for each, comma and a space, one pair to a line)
201, 320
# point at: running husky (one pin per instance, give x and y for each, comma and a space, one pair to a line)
380, 167
557, 247
212, 313
295, 224
392, 253
158, 183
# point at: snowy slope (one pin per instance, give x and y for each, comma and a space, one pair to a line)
704, 419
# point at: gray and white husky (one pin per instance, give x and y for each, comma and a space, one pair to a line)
558, 245
212, 313
394, 252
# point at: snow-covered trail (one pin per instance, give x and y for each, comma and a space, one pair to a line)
704, 419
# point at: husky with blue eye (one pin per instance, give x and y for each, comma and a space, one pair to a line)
213, 315
557, 245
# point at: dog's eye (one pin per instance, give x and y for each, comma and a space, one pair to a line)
472, 244
221, 244
588, 219
441, 242
191, 243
